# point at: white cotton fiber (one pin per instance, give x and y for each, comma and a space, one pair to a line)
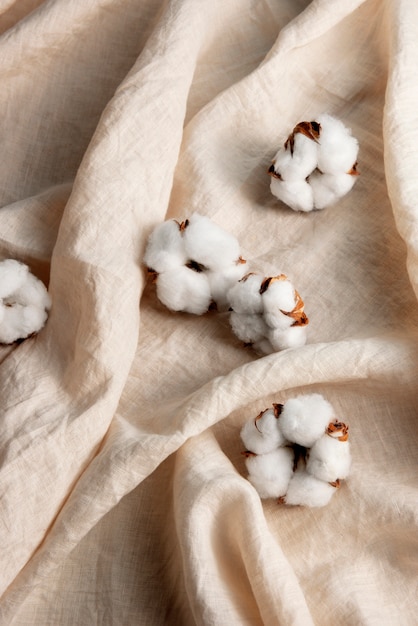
244, 297
248, 328
195, 245
278, 299
322, 168
296, 166
293, 337
32, 292
278, 320
329, 188
267, 313
262, 434
19, 321
306, 490
297, 194
295, 453
338, 149
12, 276
221, 282
165, 248
270, 473
24, 303
183, 289
329, 459
305, 418
209, 244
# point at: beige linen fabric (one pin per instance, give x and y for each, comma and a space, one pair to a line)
123, 497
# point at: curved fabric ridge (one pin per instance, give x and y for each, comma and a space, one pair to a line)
400, 135
115, 468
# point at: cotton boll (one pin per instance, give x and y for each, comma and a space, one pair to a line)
245, 297
270, 473
304, 419
262, 434
12, 276
338, 149
209, 244
306, 490
182, 289
282, 313
330, 457
314, 151
293, 337
19, 321
328, 188
165, 248
248, 328
297, 194
220, 283
278, 299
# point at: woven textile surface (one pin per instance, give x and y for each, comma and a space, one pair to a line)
123, 490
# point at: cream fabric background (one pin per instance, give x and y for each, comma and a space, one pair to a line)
123, 491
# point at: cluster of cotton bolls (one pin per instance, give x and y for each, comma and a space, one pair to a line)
267, 313
197, 266
24, 302
316, 166
194, 263
297, 452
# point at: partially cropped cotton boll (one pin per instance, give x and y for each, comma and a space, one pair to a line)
330, 457
209, 244
245, 297
24, 304
248, 328
297, 194
328, 188
183, 289
306, 490
305, 418
270, 473
262, 434
338, 149
165, 247
12, 276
